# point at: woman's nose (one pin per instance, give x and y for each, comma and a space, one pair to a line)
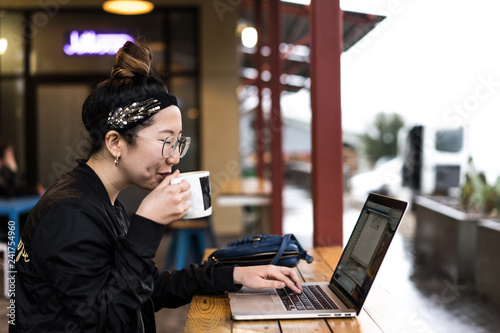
175, 157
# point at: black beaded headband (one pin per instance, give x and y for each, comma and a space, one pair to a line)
130, 115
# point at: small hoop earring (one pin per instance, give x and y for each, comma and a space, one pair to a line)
116, 161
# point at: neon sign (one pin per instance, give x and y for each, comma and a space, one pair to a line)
91, 43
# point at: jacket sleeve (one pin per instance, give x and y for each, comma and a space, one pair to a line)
176, 288
102, 281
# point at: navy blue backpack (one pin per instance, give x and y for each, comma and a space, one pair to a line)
262, 250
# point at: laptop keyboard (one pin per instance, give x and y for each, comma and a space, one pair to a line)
311, 298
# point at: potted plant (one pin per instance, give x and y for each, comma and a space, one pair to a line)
477, 195
446, 235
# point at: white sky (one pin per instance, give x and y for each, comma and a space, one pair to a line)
433, 62
423, 59
426, 57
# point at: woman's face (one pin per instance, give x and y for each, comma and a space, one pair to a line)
143, 162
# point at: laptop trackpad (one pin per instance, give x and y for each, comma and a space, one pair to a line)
256, 297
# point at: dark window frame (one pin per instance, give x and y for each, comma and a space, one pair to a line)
32, 81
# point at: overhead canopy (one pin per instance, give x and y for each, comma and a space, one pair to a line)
295, 47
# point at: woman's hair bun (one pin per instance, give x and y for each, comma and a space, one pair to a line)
131, 60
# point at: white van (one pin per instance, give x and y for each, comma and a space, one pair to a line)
434, 159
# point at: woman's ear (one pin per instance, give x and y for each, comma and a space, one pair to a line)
113, 141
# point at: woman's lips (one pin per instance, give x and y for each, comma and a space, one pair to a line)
164, 174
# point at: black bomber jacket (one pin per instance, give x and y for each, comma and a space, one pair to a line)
84, 266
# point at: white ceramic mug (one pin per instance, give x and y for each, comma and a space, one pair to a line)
201, 199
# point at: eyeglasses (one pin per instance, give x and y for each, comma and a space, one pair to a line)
171, 143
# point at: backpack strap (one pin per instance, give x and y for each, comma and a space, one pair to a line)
284, 243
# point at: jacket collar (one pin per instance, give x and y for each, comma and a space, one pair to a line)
85, 173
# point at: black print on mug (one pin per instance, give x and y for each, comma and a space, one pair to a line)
205, 189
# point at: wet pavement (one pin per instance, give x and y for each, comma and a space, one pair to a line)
431, 302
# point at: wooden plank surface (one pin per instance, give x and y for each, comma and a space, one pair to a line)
209, 314
362, 323
246, 186
304, 325
271, 326
212, 313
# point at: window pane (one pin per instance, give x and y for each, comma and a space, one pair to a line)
11, 43
183, 41
61, 135
449, 140
12, 115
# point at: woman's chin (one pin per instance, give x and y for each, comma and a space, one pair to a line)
149, 187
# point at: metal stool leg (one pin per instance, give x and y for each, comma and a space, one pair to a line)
210, 233
199, 244
181, 250
188, 244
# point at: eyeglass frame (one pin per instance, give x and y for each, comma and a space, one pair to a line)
187, 140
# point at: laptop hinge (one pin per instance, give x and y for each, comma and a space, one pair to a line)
340, 294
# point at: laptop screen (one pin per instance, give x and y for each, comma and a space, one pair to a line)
367, 247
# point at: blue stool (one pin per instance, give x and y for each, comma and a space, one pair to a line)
13, 208
188, 242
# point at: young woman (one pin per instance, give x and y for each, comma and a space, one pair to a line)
82, 264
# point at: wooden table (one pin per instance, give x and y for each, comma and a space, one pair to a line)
245, 191
212, 313
248, 192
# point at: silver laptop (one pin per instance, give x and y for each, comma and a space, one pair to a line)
352, 279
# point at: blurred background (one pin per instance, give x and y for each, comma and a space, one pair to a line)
414, 75
420, 93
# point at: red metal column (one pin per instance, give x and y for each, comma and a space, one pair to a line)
327, 173
259, 117
275, 124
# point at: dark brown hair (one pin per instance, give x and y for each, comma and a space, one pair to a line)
131, 80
